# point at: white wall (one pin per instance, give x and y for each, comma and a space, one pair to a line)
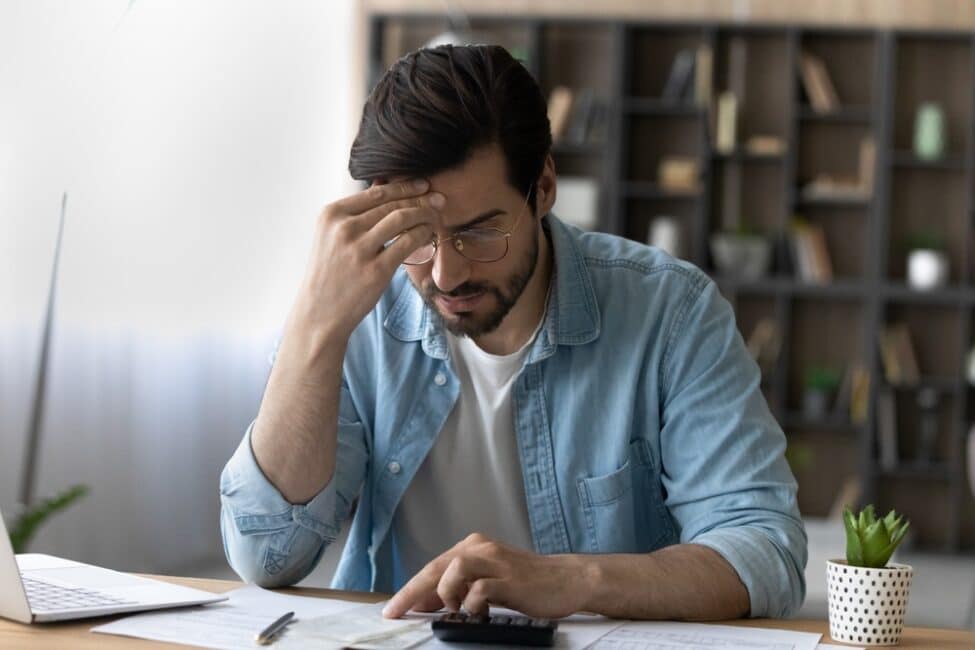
197, 142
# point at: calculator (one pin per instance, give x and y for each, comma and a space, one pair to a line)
458, 627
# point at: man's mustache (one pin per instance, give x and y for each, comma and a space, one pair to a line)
463, 291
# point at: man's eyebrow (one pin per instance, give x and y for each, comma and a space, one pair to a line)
481, 218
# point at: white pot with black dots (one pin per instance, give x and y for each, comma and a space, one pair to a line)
867, 606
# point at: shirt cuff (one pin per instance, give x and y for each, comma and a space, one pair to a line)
258, 506
775, 588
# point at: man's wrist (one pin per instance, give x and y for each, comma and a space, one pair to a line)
587, 580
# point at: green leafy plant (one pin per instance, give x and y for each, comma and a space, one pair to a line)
870, 541
822, 378
925, 239
27, 523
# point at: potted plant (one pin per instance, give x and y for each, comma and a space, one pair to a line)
23, 525
743, 253
927, 261
867, 593
820, 385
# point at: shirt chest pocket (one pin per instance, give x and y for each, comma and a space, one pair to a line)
624, 510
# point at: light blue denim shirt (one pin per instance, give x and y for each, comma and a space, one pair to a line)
639, 417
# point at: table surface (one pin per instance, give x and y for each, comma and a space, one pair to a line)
76, 634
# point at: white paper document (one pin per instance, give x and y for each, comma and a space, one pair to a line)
362, 626
652, 635
228, 625
331, 624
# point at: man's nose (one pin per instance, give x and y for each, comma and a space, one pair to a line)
450, 268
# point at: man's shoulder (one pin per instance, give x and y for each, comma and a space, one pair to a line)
621, 266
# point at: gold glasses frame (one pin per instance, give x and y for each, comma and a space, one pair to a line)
458, 244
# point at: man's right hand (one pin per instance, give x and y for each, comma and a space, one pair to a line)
351, 264
294, 439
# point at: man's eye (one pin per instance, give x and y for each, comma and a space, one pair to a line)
480, 234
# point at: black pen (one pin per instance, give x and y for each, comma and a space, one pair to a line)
268, 633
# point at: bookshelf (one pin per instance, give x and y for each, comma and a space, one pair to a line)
880, 77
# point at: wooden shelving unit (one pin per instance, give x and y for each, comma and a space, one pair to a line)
881, 76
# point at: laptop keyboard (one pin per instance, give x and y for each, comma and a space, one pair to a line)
46, 597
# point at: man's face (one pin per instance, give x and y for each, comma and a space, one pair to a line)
474, 297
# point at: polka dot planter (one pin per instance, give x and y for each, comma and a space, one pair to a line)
867, 606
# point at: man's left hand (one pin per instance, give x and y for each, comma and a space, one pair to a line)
479, 572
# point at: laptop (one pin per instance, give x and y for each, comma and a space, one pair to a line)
37, 588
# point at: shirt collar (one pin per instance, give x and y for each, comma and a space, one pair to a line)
571, 316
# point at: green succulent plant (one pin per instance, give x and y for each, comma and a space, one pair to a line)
870, 541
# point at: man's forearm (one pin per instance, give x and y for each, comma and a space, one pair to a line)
294, 436
683, 582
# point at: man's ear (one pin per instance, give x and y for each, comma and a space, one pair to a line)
545, 188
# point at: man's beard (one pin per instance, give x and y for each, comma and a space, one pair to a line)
471, 325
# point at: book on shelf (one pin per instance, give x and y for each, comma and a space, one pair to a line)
678, 174
679, 79
703, 72
559, 108
765, 343
887, 451
867, 164
817, 84
860, 394
898, 356
765, 145
853, 395
582, 106
839, 186
811, 253
725, 134
577, 116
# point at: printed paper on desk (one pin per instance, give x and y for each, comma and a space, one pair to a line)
228, 625
647, 635
363, 627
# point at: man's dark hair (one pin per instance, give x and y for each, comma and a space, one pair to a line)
435, 106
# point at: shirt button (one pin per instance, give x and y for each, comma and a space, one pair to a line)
440, 379
394, 467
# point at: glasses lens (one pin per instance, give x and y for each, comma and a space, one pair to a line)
482, 244
422, 255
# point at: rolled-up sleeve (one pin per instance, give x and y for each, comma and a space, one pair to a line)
272, 542
728, 484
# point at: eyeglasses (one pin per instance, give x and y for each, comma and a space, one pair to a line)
476, 244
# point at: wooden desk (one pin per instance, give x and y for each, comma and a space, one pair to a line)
76, 635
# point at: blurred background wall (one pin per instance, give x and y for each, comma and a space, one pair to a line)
197, 142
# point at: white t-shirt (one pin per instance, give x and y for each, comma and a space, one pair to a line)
471, 481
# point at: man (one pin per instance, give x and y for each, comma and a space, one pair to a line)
528, 415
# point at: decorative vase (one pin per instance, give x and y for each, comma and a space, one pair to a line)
665, 235
929, 132
741, 256
867, 606
927, 269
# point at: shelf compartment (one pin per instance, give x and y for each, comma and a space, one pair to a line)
831, 423
939, 471
843, 115
907, 159
652, 190
950, 295
651, 106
